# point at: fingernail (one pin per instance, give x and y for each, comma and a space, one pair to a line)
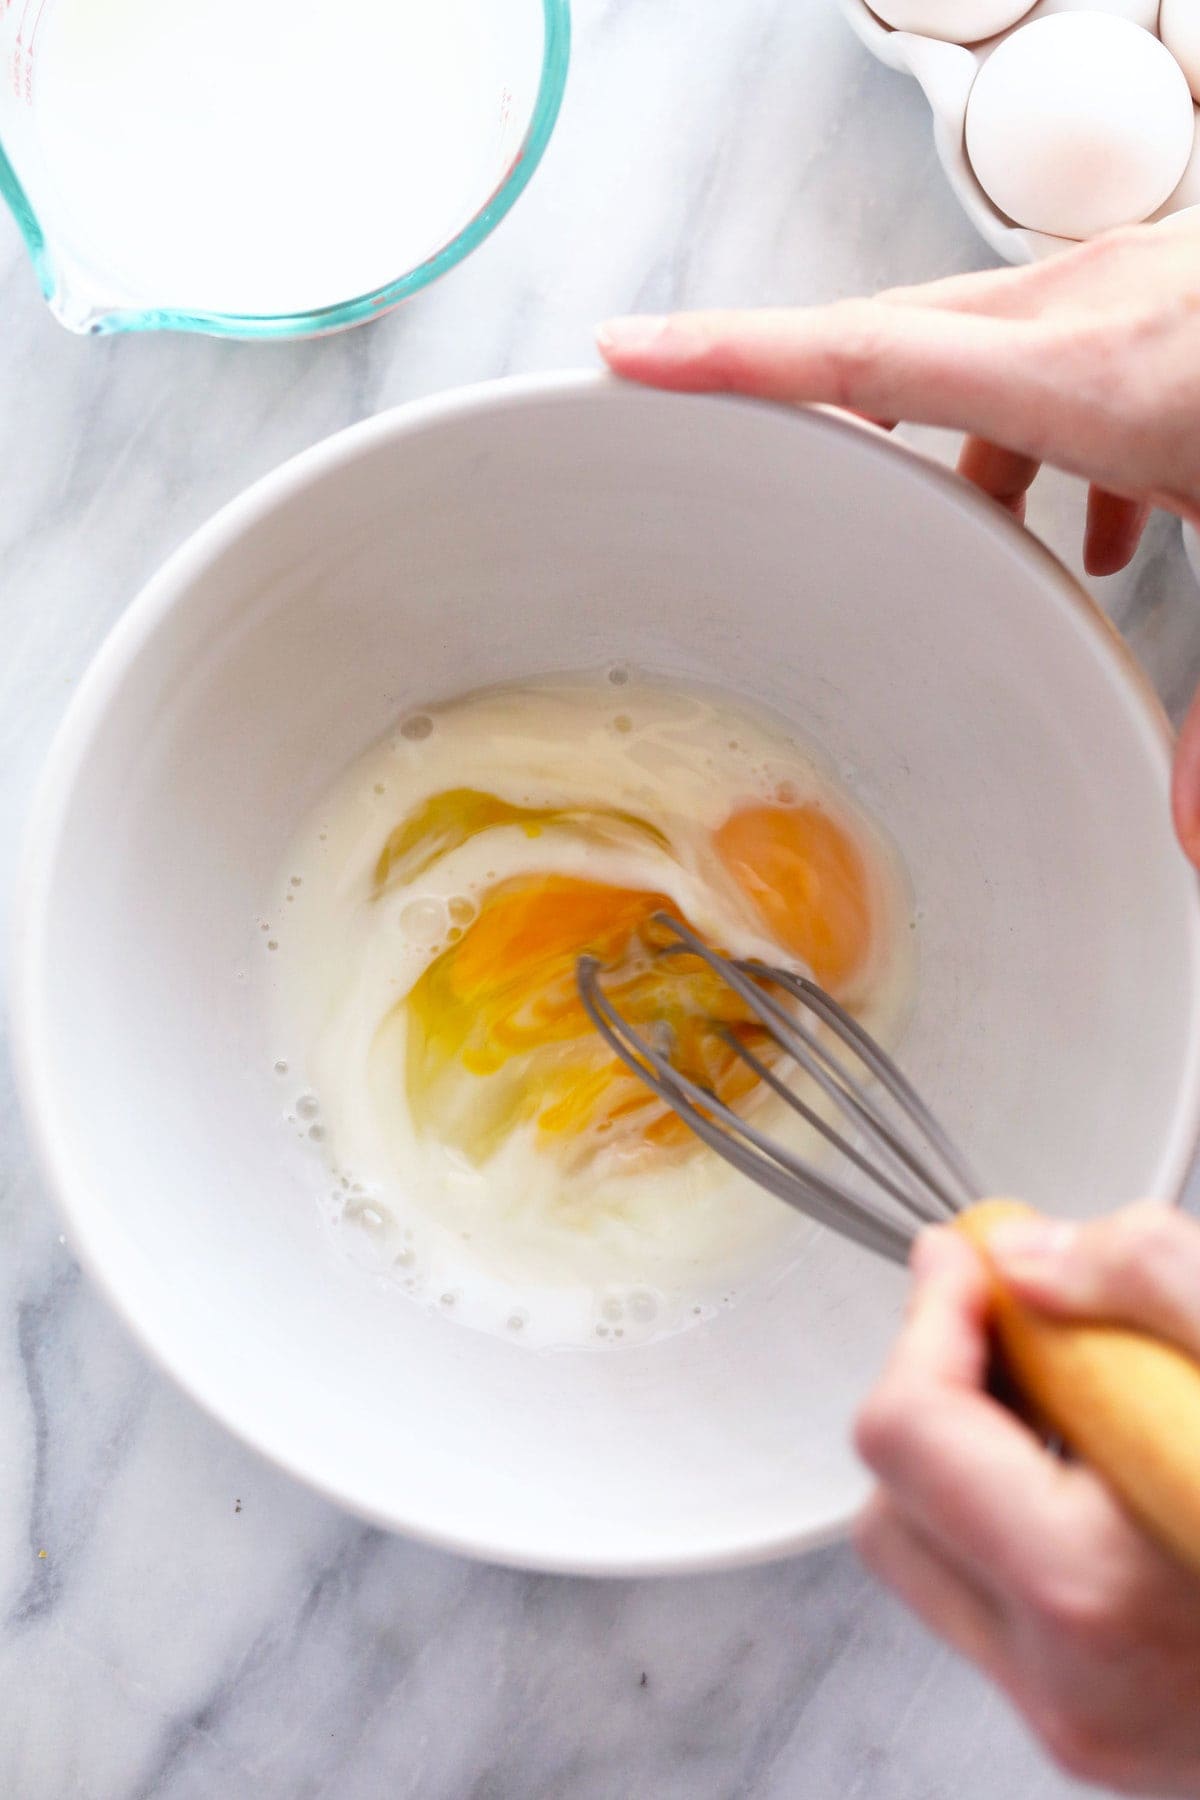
1031, 1246
632, 334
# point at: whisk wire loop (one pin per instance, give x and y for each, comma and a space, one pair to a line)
889, 1075
788, 1177
911, 1161
818, 1061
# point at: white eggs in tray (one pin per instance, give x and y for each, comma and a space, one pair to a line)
1179, 28
1073, 116
958, 21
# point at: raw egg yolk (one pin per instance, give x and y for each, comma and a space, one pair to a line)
501, 1005
808, 881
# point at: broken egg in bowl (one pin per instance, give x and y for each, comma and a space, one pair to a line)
477, 1132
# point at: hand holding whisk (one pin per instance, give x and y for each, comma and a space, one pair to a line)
1127, 1403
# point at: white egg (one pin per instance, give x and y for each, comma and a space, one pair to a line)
1079, 122
1187, 194
1138, 12
1179, 28
957, 21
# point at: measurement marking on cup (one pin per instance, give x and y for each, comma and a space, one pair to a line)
23, 49
37, 22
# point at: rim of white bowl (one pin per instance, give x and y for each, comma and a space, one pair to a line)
69, 1188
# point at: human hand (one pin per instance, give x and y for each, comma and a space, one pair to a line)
1089, 361
1025, 1564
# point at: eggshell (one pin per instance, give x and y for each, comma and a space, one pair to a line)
1138, 12
1187, 194
1079, 122
1179, 28
957, 21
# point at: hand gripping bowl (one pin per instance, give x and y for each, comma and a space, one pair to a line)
800, 558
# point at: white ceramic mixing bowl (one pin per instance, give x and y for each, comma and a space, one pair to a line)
997, 726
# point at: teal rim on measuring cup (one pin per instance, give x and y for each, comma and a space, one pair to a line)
266, 168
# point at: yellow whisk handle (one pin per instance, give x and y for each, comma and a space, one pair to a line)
1127, 1404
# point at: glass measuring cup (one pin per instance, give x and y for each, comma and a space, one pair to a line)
266, 168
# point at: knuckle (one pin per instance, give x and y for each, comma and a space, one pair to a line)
1141, 1250
1116, 243
856, 348
1133, 400
713, 360
881, 1426
1057, 1603
1142, 389
1072, 1742
1095, 359
1151, 1231
1099, 255
867, 1535
1078, 1616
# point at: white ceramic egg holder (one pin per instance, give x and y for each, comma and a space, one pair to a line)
946, 73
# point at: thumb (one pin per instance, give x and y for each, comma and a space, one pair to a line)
1140, 1267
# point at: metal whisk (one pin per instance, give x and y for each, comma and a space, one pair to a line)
917, 1174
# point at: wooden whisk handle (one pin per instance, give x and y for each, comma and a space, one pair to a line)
1127, 1404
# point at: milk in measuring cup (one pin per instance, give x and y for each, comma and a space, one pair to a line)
269, 156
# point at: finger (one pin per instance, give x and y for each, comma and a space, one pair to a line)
1076, 279
1006, 475
1140, 1267
946, 1600
1185, 784
993, 378
975, 1480
944, 1337
1114, 531
994, 293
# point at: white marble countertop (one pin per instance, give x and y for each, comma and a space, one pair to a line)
176, 1619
